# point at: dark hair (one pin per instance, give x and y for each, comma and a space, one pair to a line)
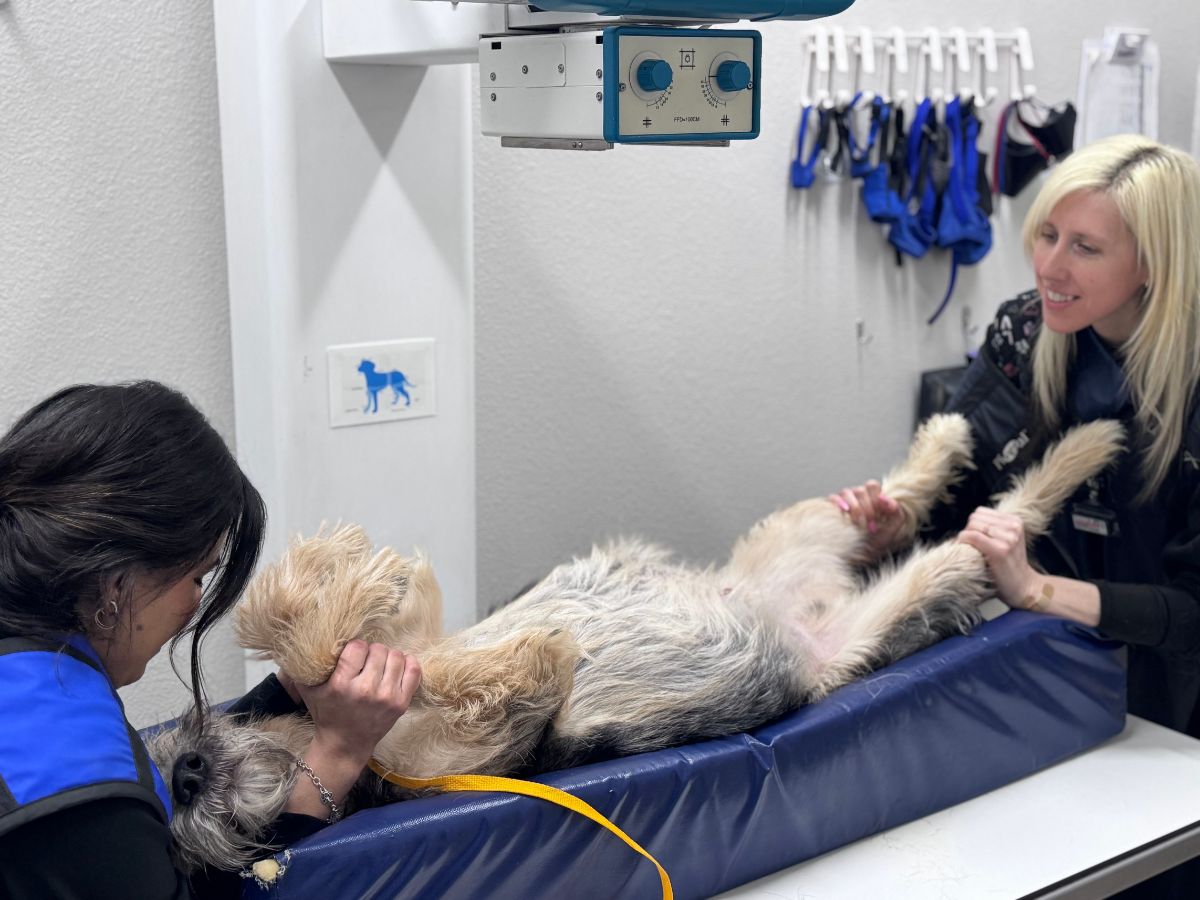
98, 481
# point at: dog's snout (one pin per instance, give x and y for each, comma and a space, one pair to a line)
189, 778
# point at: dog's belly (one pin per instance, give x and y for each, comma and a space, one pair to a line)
668, 658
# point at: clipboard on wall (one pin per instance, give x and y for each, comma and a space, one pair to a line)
1118, 85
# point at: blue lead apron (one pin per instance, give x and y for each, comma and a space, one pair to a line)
64, 738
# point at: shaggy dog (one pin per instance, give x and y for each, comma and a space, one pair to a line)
618, 652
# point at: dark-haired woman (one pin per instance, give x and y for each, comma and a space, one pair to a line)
125, 524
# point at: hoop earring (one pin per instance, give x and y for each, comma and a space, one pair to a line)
107, 616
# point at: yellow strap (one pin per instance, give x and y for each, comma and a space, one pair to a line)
529, 789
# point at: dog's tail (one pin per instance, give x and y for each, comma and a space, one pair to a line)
1083, 452
939, 453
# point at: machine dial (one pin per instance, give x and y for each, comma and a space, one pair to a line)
733, 75
654, 75
650, 78
728, 76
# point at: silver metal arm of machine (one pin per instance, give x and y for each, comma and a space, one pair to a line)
589, 74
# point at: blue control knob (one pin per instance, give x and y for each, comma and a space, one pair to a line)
654, 75
733, 75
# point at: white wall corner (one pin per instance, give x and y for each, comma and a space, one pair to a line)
348, 220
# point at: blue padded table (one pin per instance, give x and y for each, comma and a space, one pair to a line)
950, 723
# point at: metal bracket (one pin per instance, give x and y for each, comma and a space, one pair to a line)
556, 143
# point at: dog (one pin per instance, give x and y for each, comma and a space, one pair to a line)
618, 652
377, 381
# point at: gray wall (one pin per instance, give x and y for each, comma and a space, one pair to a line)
111, 224
666, 337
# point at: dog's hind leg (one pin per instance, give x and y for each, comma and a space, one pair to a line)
330, 589
1037, 495
936, 592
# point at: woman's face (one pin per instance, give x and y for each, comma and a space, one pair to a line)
1087, 268
151, 616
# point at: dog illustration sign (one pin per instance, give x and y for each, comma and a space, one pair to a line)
380, 382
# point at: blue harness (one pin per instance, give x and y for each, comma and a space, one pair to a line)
879, 193
64, 739
962, 226
860, 156
913, 232
804, 171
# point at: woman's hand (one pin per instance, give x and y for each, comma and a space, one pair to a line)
371, 687
1000, 537
875, 513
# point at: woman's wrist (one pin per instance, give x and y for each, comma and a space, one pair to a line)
1059, 596
1036, 595
335, 809
335, 766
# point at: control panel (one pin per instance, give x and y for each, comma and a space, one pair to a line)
623, 84
681, 84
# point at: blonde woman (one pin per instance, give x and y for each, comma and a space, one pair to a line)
1112, 330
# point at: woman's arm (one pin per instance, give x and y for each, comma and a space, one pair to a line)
370, 688
1000, 537
1154, 615
1166, 616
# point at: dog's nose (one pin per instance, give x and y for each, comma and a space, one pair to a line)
189, 778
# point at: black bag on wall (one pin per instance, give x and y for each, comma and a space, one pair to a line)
937, 387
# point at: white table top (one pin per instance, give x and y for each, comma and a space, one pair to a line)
1133, 790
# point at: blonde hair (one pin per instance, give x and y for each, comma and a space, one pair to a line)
1157, 191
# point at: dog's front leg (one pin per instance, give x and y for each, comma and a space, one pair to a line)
482, 710
331, 589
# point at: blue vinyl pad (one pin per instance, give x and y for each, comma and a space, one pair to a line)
942, 726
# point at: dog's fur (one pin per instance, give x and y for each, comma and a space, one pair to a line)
618, 652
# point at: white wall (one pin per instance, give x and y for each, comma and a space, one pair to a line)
112, 257
348, 212
666, 339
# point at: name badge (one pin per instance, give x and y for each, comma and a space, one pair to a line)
1094, 519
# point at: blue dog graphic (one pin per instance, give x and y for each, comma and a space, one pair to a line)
377, 381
